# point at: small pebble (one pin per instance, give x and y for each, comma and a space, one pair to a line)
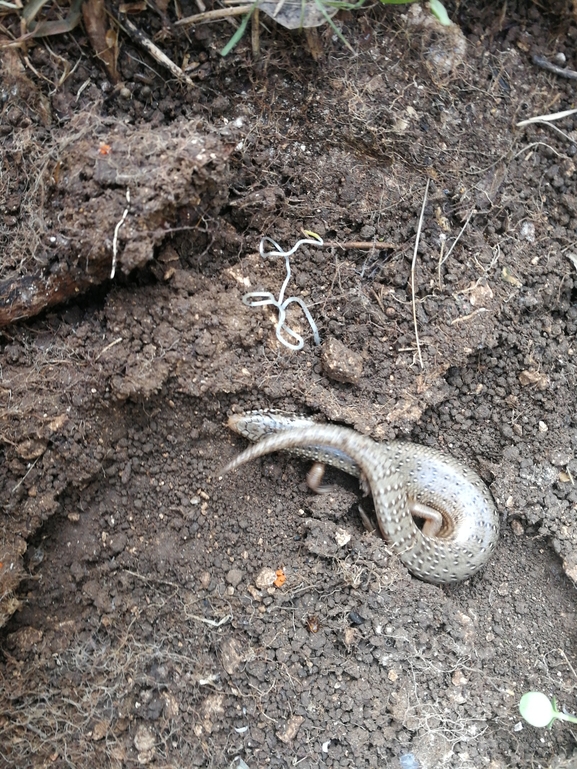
143, 739
340, 363
288, 732
560, 458
458, 678
35, 556
350, 636
527, 232
517, 528
265, 578
234, 577
117, 543
99, 730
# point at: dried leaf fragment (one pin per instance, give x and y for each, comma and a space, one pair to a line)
534, 378
510, 278
104, 40
290, 730
48, 28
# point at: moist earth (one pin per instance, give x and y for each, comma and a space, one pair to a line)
155, 613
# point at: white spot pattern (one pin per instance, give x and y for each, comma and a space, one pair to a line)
398, 474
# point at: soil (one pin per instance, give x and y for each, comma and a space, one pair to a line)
156, 614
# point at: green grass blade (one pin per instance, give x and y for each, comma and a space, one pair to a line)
438, 10
239, 32
321, 6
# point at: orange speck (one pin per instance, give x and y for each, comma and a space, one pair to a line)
280, 578
104, 149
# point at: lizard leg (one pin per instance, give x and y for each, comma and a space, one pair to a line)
433, 518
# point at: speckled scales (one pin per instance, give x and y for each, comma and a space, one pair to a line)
398, 474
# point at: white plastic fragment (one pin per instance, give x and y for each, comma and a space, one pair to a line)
262, 298
238, 763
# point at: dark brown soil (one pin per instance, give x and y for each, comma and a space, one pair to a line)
140, 622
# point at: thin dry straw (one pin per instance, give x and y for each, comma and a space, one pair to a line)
413, 265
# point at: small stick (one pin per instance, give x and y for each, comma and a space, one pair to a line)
115, 238
569, 665
211, 622
552, 116
278, 8
463, 318
413, 265
536, 144
145, 578
359, 244
254, 34
21, 481
220, 13
108, 347
541, 61
141, 39
553, 127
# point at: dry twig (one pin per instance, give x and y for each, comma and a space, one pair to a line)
544, 63
413, 265
220, 13
546, 118
141, 39
116, 231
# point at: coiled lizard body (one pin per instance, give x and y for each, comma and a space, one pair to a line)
404, 479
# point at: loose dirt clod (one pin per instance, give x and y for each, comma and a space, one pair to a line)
340, 363
118, 191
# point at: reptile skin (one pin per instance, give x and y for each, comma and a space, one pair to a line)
400, 475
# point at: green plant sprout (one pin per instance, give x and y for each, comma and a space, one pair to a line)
439, 10
538, 710
435, 6
239, 32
